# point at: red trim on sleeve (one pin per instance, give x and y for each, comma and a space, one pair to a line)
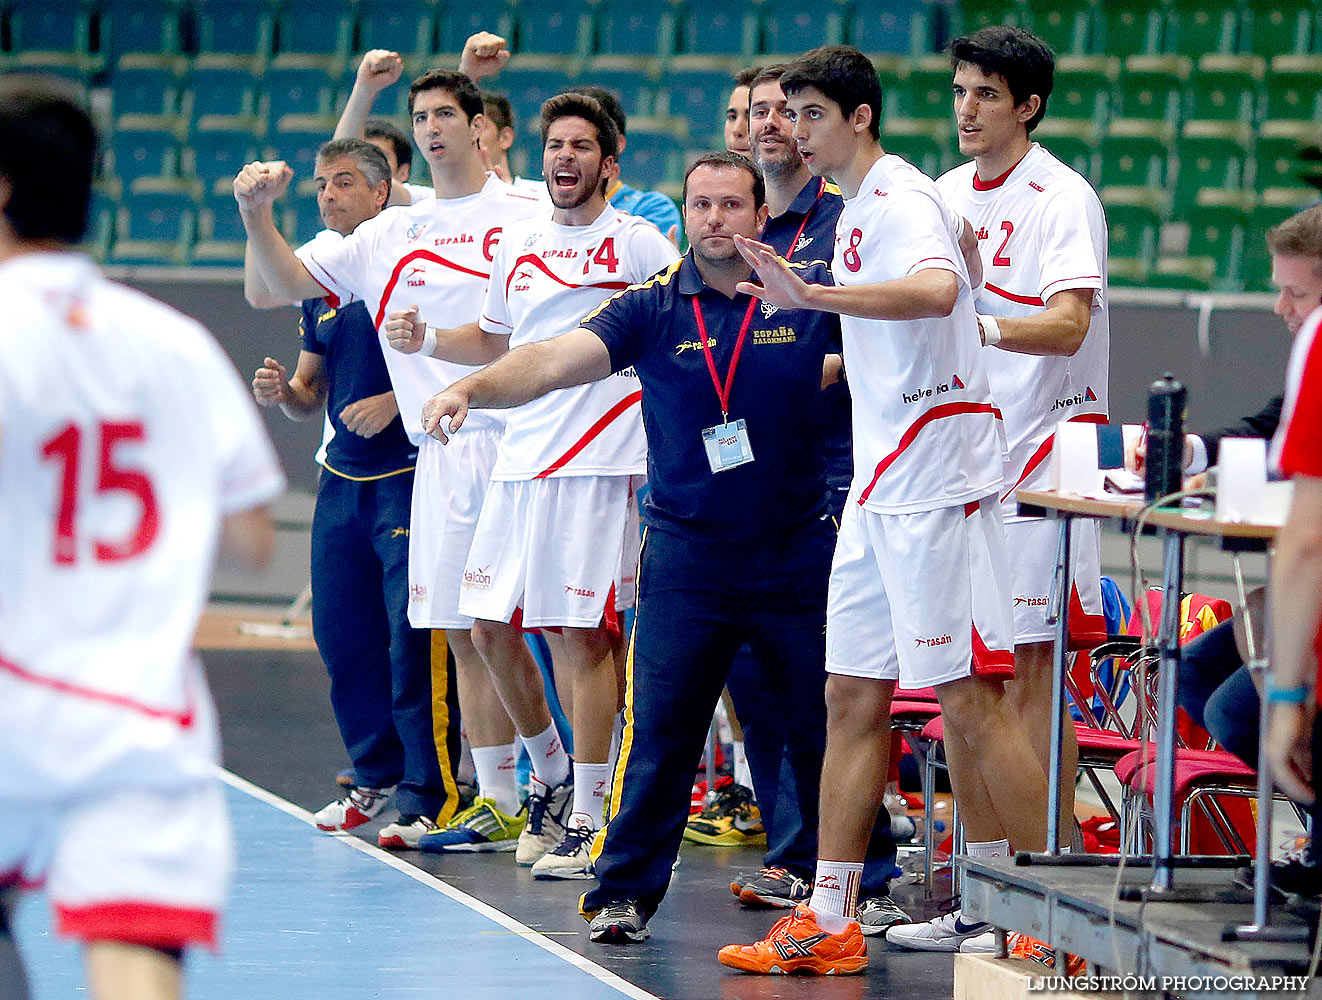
991, 664
907, 438
418, 255
1301, 450
1044, 449
155, 925
605, 421
536, 261
1023, 300
183, 719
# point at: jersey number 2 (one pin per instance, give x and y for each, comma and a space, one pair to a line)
999, 259
66, 448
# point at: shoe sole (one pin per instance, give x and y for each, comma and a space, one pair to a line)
489, 848
879, 930
753, 901
730, 838
343, 827
947, 947
797, 966
557, 873
619, 935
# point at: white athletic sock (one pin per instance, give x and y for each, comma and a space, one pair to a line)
497, 776
988, 848
590, 784
549, 761
743, 775
835, 894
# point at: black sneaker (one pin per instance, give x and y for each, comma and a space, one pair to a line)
1293, 875
876, 913
619, 923
772, 888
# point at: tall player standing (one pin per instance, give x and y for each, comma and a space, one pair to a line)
558, 535
439, 253
919, 586
1043, 318
130, 456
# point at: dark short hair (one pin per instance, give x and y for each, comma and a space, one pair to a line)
767, 74
576, 105
367, 158
843, 75
383, 128
1299, 236
48, 150
734, 161
1026, 62
459, 86
610, 103
497, 108
745, 77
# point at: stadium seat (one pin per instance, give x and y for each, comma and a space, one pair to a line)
692, 95
1135, 167
975, 14
216, 157
221, 98
1073, 151
1066, 25
1149, 104
527, 88
298, 148
1080, 97
146, 92
1190, 274
139, 153
630, 29
154, 228
404, 26
1133, 230
300, 219
1216, 236
100, 227
923, 95
1280, 27
920, 149
1291, 97
233, 32
901, 28
1216, 166
1256, 269
220, 233
652, 160
51, 34
719, 27
1277, 164
553, 27
313, 32
789, 27
1221, 103
455, 22
147, 30
296, 91
1128, 29
632, 86
1197, 27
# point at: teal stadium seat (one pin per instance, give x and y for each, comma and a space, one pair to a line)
216, 157
144, 91
901, 28
221, 98
298, 148
624, 28
144, 29
238, 29
1196, 28
154, 228
1129, 29
790, 27
100, 227
696, 97
653, 160
1281, 27
455, 22
1211, 170
314, 30
719, 27
141, 153
633, 87
300, 219
553, 27
44, 34
527, 87
296, 91
1066, 25
404, 26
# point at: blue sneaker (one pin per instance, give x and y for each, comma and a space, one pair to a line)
480, 828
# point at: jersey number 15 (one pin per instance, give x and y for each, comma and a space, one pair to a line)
66, 448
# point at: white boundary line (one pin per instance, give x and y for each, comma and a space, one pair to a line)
476, 905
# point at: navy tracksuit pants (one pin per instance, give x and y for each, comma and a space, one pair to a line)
698, 603
396, 708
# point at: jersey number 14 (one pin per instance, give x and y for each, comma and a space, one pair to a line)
66, 449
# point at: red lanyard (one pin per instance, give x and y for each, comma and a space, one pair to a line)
821, 190
723, 394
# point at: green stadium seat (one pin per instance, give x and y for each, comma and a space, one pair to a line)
1065, 25
1149, 103
1079, 96
1221, 103
1210, 170
233, 31
1197, 27
1279, 27
1188, 274
719, 27
1129, 29
1291, 97
697, 97
314, 32
216, 157
139, 153
923, 95
296, 91
1073, 151
901, 28
154, 228
920, 149
1217, 237
404, 26
1256, 269
790, 27
975, 14
1277, 164
1133, 233
51, 34
630, 29
1133, 165
553, 27
221, 98
455, 22
147, 30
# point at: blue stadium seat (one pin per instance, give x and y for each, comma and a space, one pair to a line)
901, 28
698, 97
44, 33
652, 159
553, 27
216, 157
233, 28
300, 219
404, 26
632, 29
140, 27
154, 228
100, 227
298, 148
719, 27
296, 91
633, 87
319, 28
791, 27
144, 91
219, 220
527, 88
141, 153
456, 22
229, 94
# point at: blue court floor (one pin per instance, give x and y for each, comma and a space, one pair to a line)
333, 918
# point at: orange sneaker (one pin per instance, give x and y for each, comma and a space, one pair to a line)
796, 944
1023, 946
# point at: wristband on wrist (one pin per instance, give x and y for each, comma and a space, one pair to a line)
1298, 695
990, 330
428, 342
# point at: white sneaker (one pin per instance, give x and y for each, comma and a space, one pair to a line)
979, 944
548, 809
404, 833
571, 858
944, 933
358, 807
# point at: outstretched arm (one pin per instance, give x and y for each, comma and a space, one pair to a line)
521, 375
379, 69
256, 189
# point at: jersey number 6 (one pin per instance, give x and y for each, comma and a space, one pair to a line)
66, 448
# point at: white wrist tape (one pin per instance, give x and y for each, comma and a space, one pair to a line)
428, 347
990, 329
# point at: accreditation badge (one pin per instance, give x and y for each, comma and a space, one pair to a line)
727, 445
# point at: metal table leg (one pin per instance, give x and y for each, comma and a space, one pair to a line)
1058, 615
1168, 643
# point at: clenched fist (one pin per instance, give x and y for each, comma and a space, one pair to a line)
378, 70
270, 384
260, 184
405, 331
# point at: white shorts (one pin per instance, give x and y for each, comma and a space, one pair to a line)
147, 866
1032, 569
449, 487
555, 548
920, 598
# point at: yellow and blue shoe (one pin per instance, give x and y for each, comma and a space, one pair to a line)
478, 829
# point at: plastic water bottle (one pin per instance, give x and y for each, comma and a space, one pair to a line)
1164, 463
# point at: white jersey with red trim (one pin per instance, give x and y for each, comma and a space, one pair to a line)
125, 436
436, 255
926, 433
1041, 230
551, 276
